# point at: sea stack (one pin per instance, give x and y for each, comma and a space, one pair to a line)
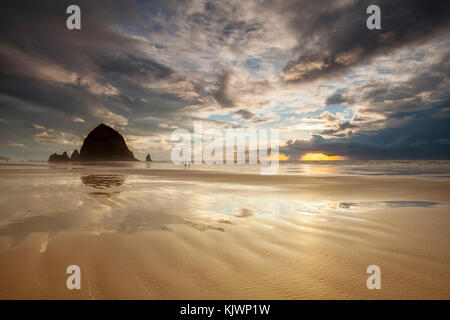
102, 144
75, 156
148, 158
59, 157
105, 144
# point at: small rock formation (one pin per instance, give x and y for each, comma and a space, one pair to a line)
105, 144
4, 158
75, 156
59, 157
148, 158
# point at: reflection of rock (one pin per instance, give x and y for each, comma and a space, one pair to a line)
203, 226
105, 144
4, 159
59, 157
245, 213
100, 181
75, 156
148, 158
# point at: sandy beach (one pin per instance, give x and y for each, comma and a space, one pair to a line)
152, 233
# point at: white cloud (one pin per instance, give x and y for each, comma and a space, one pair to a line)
39, 127
110, 118
60, 138
77, 119
18, 145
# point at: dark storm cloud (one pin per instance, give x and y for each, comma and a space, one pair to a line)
222, 94
421, 138
401, 119
34, 37
335, 99
341, 129
132, 66
333, 37
69, 81
38, 28
430, 85
245, 114
394, 103
89, 73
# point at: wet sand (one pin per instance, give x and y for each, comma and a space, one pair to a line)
174, 234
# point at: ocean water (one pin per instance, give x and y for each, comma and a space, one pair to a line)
439, 168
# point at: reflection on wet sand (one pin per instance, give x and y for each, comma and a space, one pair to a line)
201, 226
392, 204
244, 213
100, 181
218, 235
150, 204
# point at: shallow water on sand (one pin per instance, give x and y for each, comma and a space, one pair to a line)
154, 231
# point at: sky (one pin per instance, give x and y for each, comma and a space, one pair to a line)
310, 68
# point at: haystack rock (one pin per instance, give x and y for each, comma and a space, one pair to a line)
75, 156
105, 144
148, 158
59, 157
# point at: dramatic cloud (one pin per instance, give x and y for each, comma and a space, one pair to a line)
310, 68
327, 116
245, 114
222, 94
332, 35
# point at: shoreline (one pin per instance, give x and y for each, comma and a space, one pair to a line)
336, 186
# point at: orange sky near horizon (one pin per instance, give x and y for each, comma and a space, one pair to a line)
317, 156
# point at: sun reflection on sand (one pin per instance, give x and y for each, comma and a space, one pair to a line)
321, 170
220, 229
147, 203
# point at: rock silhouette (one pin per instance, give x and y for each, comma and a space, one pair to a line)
105, 144
102, 144
75, 156
59, 157
148, 158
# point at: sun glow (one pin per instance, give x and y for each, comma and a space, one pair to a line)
320, 157
281, 157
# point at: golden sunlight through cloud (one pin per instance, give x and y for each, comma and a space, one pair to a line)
281, 157
320, 157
